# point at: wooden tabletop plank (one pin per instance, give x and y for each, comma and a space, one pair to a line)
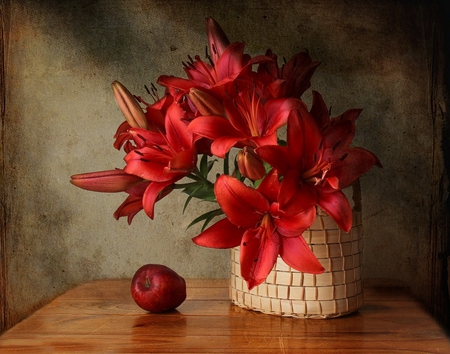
101, 317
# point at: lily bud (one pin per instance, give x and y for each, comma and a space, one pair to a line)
206, 104
249, 164
110, 181
129, 106
217, 39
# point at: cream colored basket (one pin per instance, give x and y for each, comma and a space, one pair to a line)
288, 292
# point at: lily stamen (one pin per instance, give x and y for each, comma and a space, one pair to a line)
310, 176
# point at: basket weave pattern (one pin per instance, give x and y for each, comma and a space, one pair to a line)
288, 292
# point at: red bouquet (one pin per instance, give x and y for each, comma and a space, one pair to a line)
231, 106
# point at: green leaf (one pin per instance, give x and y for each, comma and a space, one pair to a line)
201, 191
211, 164
207, 217
191, 195
210, 217
204, 165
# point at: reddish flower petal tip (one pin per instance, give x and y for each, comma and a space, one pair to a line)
223, 234
251, 283
296, 253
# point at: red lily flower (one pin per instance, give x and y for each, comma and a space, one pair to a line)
249, 122
291, 80
228, 61
170, 161
256, 222
316, 165
151, 119
160, 159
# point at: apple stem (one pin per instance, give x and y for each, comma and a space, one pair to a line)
147, 282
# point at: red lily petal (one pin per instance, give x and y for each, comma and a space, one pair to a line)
258, 253
200, 73
121, 135
298, 72
278, 111
213, 127
303, 138
176, 83
155, 118
267, 72
270, 186
292, 80
183, 162
275, 155
139, 189
352, 165
129, 208
270, 139
222, 145
110, 181
243, 205
153, 193
337, 206
333, 182
294, 196
277, 88
339, 136
319, 110
293, 225
223, 234
178, 135
230, 63
296, 253
350, 115
148, 163
143, 137
237, 118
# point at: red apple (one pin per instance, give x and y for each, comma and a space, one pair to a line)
157, 288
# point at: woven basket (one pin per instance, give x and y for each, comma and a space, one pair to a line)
288, 292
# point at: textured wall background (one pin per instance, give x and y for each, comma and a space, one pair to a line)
61, 116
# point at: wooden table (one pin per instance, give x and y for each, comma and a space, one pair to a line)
101, 317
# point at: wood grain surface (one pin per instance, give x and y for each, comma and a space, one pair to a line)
101, 317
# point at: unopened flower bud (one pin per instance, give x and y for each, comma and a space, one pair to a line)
206, 104
217, 39
249, 164
110, 181
129, 106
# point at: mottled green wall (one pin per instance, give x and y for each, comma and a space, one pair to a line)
61, 117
